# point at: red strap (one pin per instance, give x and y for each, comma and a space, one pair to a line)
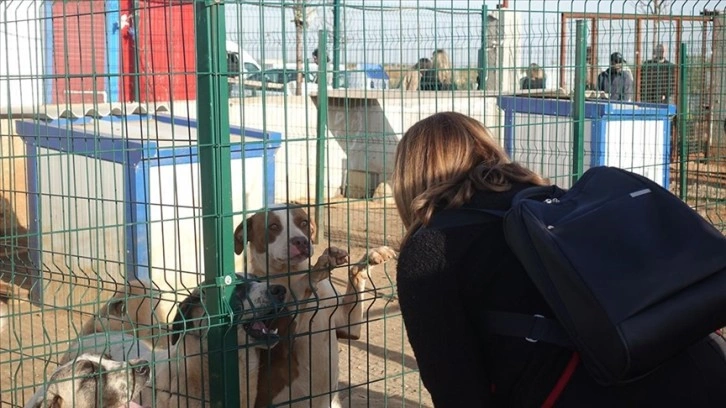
562, 381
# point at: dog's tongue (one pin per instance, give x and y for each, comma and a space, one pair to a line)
259, 326
294, 251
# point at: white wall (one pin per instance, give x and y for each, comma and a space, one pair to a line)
21, 54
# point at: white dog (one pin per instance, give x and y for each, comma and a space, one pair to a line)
93, 381
182, 378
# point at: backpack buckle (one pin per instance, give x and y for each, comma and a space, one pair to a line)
536, 329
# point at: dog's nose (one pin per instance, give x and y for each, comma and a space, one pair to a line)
277, 291
140, 367
142, 370
300, 242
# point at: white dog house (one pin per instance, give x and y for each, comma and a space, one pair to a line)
634, 136
119, 198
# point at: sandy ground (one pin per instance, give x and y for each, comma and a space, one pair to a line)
376, 371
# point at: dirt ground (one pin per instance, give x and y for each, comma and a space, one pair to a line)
376, 371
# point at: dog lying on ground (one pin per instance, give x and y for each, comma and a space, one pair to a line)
279, 247
117, 346
135, 308
91, 381
180, 371
182, 379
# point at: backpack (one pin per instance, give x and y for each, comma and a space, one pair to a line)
633, 275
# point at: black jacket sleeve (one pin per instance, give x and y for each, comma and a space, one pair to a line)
601, 82
445, 343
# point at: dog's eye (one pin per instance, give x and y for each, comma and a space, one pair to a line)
304, 224
274, 227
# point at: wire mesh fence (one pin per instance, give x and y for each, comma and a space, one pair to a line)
140, 139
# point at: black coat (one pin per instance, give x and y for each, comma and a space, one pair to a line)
445, 277
617, 83
430, 82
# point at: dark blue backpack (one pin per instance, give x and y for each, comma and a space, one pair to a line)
633, 275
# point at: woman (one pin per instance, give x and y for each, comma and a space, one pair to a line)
440, 77
617, 80
534, 79
447, 275
412, 79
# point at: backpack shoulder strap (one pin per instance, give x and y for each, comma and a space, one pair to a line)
533, 328
469, 215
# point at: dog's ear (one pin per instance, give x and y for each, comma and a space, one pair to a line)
116, 307
87, 367
183, 313
239, 239
56, 403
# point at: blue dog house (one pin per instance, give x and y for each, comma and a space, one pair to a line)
119, 198
368, 76
634, 136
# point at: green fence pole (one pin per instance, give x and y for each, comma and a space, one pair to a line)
578, 101
483, 56
336, 44
682, 115
322, 130
215, 179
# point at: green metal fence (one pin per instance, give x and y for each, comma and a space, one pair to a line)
136, 135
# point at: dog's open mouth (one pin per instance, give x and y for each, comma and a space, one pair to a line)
257, 305
261, 330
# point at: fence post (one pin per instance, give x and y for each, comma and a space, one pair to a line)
578, 101
682, 113
336, 44
322, 128
215, 180
717, 144
483, 51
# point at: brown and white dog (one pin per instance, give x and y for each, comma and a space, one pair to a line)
280, 248
182, 375
93, 381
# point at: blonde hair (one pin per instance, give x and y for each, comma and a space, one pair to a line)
442, 65
442, 160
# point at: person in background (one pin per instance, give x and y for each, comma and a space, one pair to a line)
616, 80
658, 78
479, 83
534, 79
315, 57
411, 80
315, 75
441, 77
447, 275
